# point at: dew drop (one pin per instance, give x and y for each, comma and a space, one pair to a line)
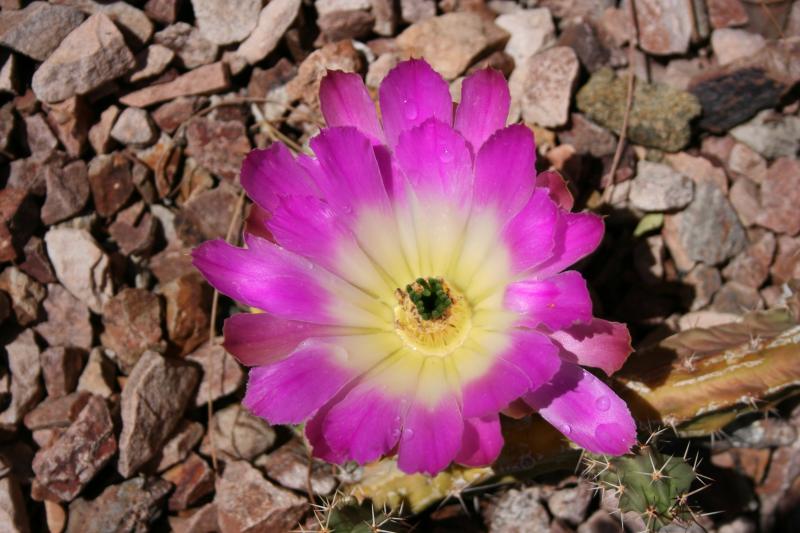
408, 434
603, 403
410, 110
566, 429
396, 433
445, 155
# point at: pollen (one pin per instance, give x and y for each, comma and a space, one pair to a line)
431, 316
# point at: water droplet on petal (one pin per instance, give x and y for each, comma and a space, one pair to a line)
408, 434
566, 429
603, 403
410, 110
396, 433
445, 155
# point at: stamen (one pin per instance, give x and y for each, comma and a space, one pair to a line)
429, 298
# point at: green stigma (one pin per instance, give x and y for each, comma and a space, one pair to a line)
430, 297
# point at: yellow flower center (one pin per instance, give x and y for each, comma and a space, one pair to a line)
432, 317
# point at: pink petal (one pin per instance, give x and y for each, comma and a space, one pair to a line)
411, 94
290, 390
347, 172
269, 174
557, 302
503, 383
437, 161
534, 354
485, 100
345, 102
529, 235
601, 344
360, 425
504, 171
577, 235
586, 411
482, 441
271, 279
555, 183
258, 339
431, 436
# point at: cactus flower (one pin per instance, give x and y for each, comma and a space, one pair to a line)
412, 280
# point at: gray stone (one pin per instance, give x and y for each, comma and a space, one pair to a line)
731, 45
531, 30
771, 134
222, 375
132, 21
238, 434
151, 62
63, 308
708, 230
223, 23
191, 47
273, 21
134, 127
38, 29
519, 511
93, 54
26, 388
657, 187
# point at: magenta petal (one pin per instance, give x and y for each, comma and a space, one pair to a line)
308, 226
361, 426
482, 441
534, 354
269, 278
431, 437
504, 171
559, 192
529, 236
270, 174
344, 101
436, 161
347, 172
485, 100
258, 339
289, 391
577, 235
586, 411
411, 94
601, 344
557, 302
503, 383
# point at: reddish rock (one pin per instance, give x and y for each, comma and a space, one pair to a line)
207, 79
543, 86
704, 281
780, 197
98, 376
202, 520
189, 45
81, 265
288, 465
134, 230
151, 62
134, 127
346, 24
77, 456
164, 159
188, 302
222, 25
699, 169
25, 292
184, 439
273, 21
581, 37
237, 434
334, 56
153, 401
40, 137
57, 412
751, 267
111, 182
247, 502
726, 13
61, 368
171, 264
36, 263
665, 26
63, 308
744, 197
218, 146
18, 218
744, 161
132, 321
222, 375
100, 133
207, 216
130, 506
70, 121
735, 298
163, 11
38, 29
787, 260
193, 479
172, 114
412, 11
67, 192
29, 174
